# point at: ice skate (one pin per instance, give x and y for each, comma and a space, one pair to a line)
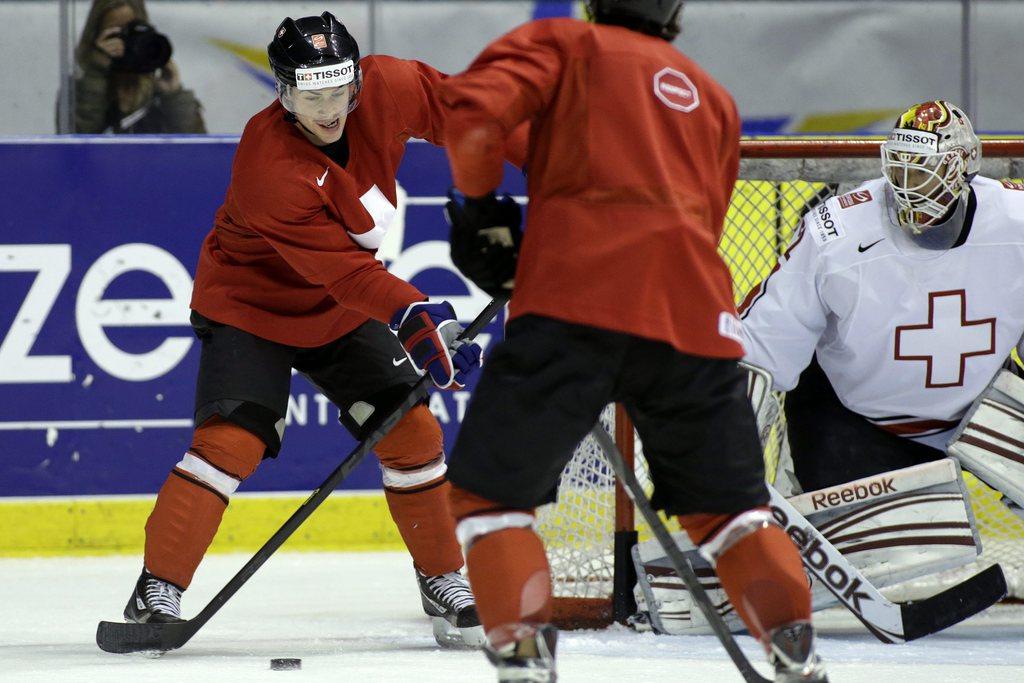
530, 658
449, 603
153, 601
791, 652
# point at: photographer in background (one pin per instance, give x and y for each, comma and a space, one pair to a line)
125, 80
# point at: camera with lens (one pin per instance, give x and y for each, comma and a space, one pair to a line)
145, 50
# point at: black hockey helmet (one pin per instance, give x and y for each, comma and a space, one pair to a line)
654, 17
312, 43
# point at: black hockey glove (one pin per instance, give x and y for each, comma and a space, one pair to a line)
485, 239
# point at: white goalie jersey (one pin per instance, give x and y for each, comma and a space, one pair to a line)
907, 336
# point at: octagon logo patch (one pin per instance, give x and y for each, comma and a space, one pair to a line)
676, 90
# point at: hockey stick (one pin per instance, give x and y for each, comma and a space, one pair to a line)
679, 561
123, 638
890, 622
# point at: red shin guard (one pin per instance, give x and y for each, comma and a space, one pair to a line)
761, 573
509, 573
188, 511
181, 528
425, 522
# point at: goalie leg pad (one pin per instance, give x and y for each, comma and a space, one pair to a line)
990, 439
892, 527
192, 500
762, 400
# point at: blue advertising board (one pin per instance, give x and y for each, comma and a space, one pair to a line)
98, 245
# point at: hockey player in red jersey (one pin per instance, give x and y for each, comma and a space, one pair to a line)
287, 278
619, 295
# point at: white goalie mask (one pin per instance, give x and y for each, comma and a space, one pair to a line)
929, 160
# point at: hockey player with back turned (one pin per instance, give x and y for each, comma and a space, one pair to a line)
619, 295
287, 278
893, 309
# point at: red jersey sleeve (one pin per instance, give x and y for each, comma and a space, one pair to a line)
513, 78
413, 87
294, 222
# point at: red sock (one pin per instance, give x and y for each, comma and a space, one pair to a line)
180, 529
188, 511
425, 521
762, 575
509, 574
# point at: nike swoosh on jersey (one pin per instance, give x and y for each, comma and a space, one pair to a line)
396, 362
861, 248
320, 181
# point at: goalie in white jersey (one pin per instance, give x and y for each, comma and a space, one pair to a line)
889, 321
895, 305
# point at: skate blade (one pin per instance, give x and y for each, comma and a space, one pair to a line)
454, 638
517, 675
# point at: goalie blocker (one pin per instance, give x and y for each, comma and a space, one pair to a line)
891, 527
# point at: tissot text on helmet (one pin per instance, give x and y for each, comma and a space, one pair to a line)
921, 142
316, 78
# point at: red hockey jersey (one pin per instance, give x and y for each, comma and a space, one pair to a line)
290, 257
634, 151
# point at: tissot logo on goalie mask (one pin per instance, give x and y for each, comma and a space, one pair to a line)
676, 90
913, 141
318, 77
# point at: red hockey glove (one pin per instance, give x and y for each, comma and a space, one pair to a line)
429, 334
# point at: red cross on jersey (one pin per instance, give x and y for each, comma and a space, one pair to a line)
947, 340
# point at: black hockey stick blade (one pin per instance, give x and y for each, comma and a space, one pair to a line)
122, 638
953, 605
679, 560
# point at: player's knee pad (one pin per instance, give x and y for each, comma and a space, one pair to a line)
478, 516
716, 534
256, 419
221, 456
412, 443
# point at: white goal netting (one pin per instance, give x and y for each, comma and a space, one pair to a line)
778, 186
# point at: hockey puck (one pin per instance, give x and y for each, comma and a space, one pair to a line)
285, 664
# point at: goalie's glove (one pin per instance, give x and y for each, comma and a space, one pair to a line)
429, 333
485, 239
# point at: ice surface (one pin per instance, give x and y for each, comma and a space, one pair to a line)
356, 617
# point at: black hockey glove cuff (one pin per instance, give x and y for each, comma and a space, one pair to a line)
485, 238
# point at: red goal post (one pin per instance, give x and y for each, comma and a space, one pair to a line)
589, 532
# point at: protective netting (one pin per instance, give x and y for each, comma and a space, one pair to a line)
767, 205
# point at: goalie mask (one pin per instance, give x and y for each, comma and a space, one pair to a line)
316, 66
929, 159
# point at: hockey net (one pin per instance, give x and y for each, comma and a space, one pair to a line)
589, 531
